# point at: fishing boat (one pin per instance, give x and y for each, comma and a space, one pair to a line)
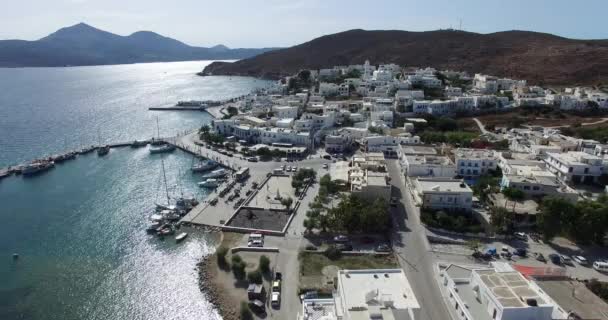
153, 227
215, 174
209, 183
166, 231
165, 148
181, 237
205, 166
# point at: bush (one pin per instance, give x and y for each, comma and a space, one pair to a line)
245, 312
333, 253
221, 256
264, 264
452, 221
238, 267
254, 277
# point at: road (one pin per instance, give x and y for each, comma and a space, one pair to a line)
412, 248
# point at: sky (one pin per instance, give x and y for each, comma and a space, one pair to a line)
281, 23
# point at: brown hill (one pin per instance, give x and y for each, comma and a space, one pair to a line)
538, 57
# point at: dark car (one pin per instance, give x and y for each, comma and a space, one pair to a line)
555, 259
278, 276
383, 248
344, 247
521, 252
257, 306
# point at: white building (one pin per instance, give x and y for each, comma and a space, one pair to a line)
498, 293
575, 166
443, 194
428, 166
533, 179
375, 294
369, 185
471, 163
485, 84
386, 144
328, 89
285, 112
338, 143
453, 91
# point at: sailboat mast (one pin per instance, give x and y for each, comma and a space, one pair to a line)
157, 129
165, 180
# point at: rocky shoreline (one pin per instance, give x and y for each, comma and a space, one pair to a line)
215, 292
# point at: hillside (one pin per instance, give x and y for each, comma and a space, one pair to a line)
538, 57
82, 44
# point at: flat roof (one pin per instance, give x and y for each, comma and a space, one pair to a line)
443, 185
573, 296
376, 287
421, 150
428, 159
319, 309
475, 153
574, 157
509, 287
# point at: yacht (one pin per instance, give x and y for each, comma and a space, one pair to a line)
209, 183
103, 150
205, 166
162, 149
215, 174
37, 167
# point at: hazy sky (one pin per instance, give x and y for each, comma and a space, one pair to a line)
257, 23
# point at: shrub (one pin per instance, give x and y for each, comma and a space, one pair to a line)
264, 264
254, 277
221, 256
238, 267
245, 312
333, 253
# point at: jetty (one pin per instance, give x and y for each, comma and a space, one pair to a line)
177, 108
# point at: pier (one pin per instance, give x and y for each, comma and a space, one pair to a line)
177, 108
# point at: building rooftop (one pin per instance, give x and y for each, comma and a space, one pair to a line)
364, 294
428, 159
442, 185
420, 150
318, 309
573, 296
574, 157
509, 288
475, 153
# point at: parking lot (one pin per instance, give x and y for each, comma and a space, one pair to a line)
559, 246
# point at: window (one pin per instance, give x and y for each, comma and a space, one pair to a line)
526, 187
535, 188
570, 169
586, 170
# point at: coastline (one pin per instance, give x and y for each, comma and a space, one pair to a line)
215, 288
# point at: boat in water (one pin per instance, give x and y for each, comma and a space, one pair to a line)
165, 148
103, 150
37, 167
181, 237
216, 174
205, 166
209, 183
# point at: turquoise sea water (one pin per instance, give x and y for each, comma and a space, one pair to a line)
79, 228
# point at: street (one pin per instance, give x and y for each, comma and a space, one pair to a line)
411, 247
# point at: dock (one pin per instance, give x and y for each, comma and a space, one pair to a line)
177, 109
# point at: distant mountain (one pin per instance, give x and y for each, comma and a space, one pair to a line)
538, 57
82, 44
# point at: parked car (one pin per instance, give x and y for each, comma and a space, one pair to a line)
325, 166
252, 159
341, 238
276, 286
294, 169
257, 306
539, 256
555, 259
521, 252
344, 247
309, 295
278, 276
275, 299
566, 260
580, 260
255, 243
600, 265
328, 157
521, 236
383, 248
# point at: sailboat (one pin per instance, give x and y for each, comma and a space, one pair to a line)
159, 146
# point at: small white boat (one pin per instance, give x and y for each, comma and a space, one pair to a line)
156, 217
163, 149
181, 237
215, 174
204, 166
209, 183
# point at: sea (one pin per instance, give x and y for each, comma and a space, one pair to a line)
79, 229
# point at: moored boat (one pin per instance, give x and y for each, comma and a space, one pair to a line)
181, 236
209, 183
215, 174
138, 143
162, 149
205, 166
37, 167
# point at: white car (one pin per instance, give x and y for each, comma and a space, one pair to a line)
255, 243
580, 260
275, 299
325, 166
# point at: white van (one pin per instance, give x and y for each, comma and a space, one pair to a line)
601, 266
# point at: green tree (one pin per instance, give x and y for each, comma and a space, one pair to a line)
264, 264
254, 277
549, 219
205, 129
245, 312
238, 267
287, 202
232, 111
221, 256
502, 220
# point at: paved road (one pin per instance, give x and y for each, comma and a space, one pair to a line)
411, 246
